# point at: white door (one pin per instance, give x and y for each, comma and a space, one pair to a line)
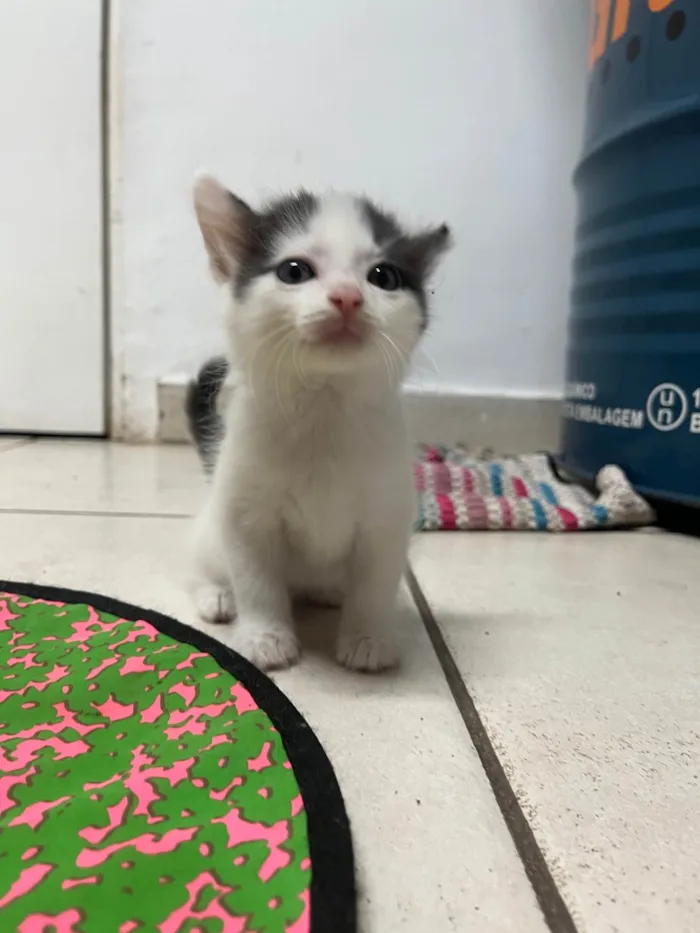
52, 331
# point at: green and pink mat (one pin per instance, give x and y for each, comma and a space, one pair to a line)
153, 782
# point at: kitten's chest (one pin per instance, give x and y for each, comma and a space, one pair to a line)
328, 469
322, 507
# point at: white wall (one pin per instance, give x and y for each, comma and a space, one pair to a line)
463, 110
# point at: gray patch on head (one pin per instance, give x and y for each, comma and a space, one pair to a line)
384, 226
415, 256
282, 217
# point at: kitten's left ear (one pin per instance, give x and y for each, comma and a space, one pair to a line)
226, 223
428, 247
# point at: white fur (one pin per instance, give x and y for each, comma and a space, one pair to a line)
313, 486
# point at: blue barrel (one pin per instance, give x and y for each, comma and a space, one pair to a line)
633, 364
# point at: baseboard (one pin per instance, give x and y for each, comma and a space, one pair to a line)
507, 424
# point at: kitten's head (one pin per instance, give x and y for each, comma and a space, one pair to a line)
332, 280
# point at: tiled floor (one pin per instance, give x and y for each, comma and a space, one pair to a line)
581, 655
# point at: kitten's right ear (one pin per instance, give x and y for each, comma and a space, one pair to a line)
226, 223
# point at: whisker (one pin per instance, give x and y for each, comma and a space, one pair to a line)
399, 359
402, 356
387, 360
431, 360
284, 346
296, 354
393, 372
268, 341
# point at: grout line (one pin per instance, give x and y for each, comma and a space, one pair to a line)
552, 904
94, 513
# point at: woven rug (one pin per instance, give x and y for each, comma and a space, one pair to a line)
458, 491
153, 782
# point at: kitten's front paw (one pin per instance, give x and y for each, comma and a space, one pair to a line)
214, 603
266, 649
361, 652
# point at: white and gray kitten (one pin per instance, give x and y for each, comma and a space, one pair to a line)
312, 490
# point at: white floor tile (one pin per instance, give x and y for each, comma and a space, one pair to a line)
433, 852
583, 655
10, 441
90, 476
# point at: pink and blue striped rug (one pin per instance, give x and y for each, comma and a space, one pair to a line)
462, 492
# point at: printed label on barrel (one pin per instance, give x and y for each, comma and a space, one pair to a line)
667, 408
610, 21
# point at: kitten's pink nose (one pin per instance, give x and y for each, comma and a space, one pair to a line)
347, 299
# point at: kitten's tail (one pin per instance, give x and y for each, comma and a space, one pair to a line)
205, 423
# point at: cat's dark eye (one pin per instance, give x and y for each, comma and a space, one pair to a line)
385, 276
295, 272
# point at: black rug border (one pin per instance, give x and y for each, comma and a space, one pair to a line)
333, 899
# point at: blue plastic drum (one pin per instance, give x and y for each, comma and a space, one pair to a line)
633, 365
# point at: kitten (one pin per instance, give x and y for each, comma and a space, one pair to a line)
311, 490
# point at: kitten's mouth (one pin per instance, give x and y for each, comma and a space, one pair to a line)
351, 334
342, 338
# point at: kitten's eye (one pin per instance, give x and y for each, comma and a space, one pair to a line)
385, 276
294, 272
